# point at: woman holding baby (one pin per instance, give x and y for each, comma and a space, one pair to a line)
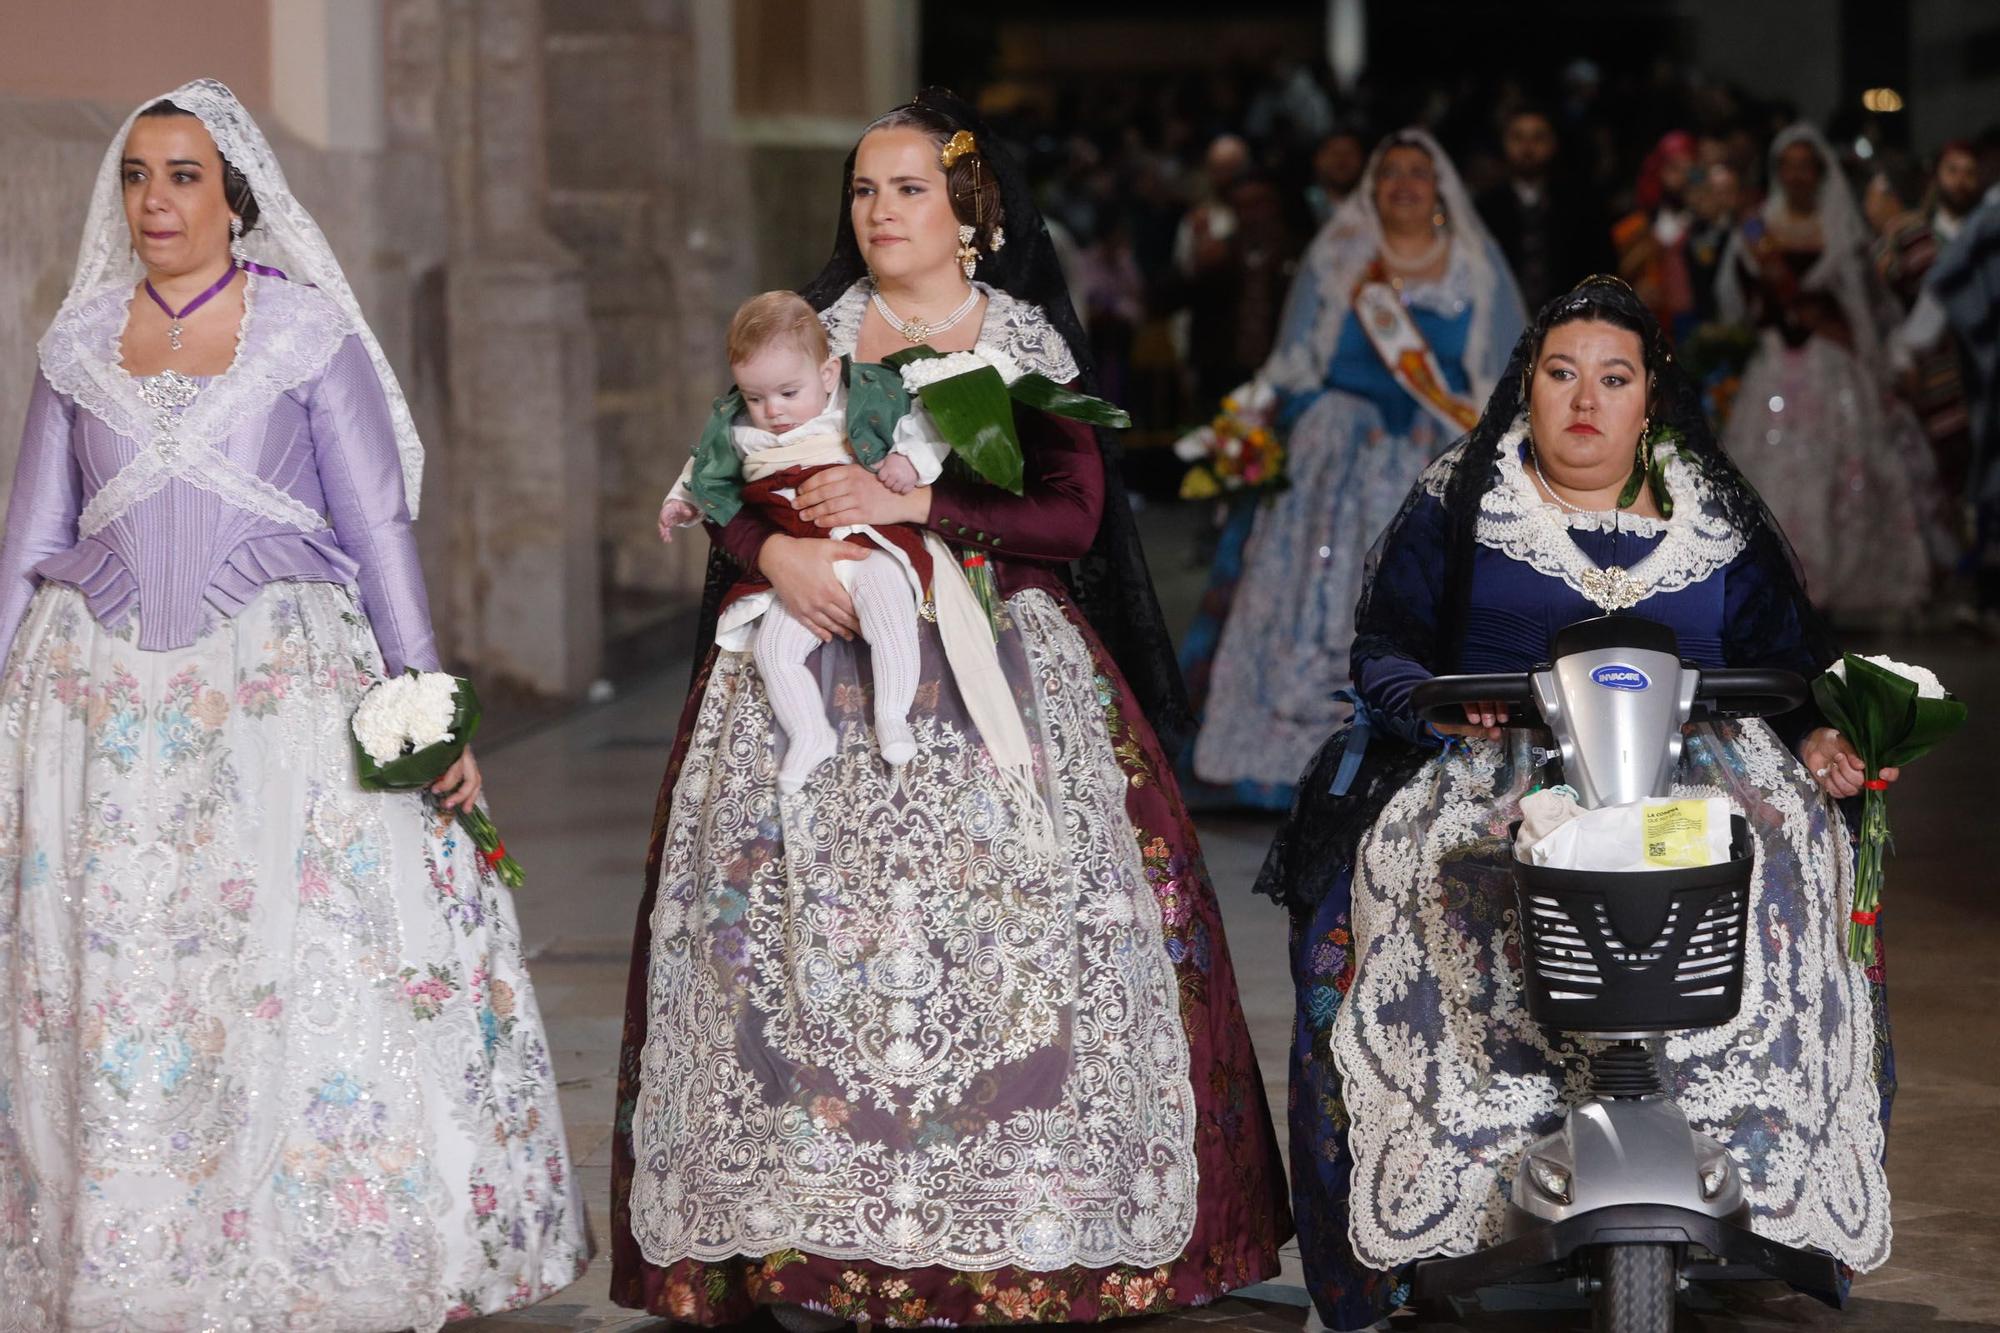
942, 1028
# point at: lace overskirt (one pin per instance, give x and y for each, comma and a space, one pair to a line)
1445, 1078
901, 1048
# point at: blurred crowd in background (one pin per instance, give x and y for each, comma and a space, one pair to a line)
1183, 208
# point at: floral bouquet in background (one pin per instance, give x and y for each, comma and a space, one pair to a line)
1891, 713
1236, 452
408, 731
1715, 355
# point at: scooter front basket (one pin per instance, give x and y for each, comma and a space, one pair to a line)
1639, 951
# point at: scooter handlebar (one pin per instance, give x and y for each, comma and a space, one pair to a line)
1747, 692
1723, 692
1443, 698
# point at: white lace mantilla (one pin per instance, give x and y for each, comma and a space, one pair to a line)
285, 238
1517, 520
1011, 326
1322, 295
1446, 1078
888, 1024
288, 335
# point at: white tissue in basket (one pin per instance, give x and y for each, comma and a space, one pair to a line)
1664, 834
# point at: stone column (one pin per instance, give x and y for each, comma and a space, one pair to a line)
521, 370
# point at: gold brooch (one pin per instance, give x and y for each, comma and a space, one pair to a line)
956, 147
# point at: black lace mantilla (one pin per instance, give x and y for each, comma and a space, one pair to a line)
1317, 842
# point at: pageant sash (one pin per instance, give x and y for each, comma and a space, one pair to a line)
1411, 362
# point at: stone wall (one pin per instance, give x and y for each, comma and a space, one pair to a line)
651, 204
694, 158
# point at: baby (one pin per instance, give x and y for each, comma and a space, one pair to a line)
794, 399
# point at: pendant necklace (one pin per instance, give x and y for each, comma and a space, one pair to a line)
177, 316
918, 331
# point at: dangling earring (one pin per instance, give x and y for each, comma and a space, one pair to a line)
237, 253
1642, 465
968, 254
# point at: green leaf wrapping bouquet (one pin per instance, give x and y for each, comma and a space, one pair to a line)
1892, 713
971, 397
408, 731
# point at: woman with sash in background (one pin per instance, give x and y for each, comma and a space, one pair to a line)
1400, 318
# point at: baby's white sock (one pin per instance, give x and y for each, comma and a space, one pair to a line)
887, 608
783, 644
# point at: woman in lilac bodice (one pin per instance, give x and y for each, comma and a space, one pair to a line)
304, 485
271, 1058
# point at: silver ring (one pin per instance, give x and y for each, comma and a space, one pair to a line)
1822, 770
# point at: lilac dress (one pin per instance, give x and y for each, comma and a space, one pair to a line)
272, 1056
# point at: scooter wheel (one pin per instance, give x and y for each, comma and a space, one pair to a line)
1636, 1289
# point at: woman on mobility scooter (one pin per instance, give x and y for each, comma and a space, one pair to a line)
1591, 484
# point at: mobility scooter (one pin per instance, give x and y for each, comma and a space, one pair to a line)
1625, 1198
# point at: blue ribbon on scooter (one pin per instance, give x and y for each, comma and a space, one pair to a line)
1366, 722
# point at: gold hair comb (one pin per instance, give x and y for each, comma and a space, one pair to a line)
956, 147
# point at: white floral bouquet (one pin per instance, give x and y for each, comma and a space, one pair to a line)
408, 731
1892, 713
971, 397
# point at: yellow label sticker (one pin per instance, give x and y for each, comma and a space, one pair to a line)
1676, 834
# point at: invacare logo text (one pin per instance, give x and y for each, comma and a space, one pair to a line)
1619, 676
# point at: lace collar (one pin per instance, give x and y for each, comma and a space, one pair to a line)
1011, 326
1517, 521
1447, 294
288, 335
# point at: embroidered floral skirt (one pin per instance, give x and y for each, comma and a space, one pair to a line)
1417, 1077
902, 1049
270, 1056
1286, 603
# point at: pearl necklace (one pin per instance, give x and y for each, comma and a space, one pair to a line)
1551, 492
1613, 588
917, 330
1423, 262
